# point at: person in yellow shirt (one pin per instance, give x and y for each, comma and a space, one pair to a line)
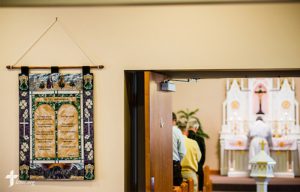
189, 164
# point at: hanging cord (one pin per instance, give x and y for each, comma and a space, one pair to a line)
75, 42
40, 37
35, 42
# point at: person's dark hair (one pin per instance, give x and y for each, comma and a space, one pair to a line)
259, 118
174, 118
182, 128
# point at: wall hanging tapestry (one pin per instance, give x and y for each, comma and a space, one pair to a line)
56, 126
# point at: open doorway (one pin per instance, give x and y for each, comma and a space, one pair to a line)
140, 165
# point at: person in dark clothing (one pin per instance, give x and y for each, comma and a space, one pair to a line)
192, 134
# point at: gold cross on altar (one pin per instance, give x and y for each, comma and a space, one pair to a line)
262, 143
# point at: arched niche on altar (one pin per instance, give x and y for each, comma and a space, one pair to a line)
272, 99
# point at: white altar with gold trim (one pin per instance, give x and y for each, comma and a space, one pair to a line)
273, 100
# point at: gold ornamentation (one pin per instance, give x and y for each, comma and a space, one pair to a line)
89, 169
88, 81
262, 143
240, 143
235, 104
23, 78
281, 144
24, 167
286, 104
24, 172
23, 82
88, 77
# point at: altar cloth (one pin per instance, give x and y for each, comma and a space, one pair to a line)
236, 142
284, 143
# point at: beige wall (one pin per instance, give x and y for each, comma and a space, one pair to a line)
207, 95
164, 37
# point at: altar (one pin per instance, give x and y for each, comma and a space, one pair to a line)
271, 100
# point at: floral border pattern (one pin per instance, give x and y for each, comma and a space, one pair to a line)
88, 126
24, 127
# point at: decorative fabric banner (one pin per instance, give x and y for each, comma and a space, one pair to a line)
56, 127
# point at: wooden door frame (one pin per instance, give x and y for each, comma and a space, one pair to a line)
134, 131
135, 167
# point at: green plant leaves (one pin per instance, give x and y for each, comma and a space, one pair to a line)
187, 116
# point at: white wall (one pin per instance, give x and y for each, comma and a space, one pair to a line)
153, 37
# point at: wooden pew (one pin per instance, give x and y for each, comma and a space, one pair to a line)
177, 189
207, 184
190, 181
186, 186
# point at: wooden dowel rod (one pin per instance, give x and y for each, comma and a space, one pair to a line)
10, 67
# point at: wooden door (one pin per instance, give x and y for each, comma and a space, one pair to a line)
158, 135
